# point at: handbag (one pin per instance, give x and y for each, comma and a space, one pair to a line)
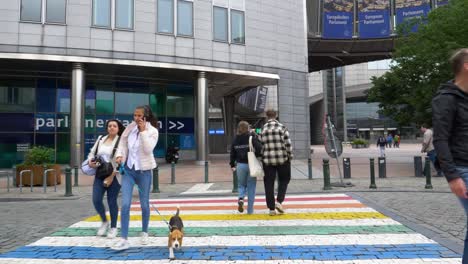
85, 168
255, 166
105, 169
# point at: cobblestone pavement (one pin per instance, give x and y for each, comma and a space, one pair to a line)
317, 228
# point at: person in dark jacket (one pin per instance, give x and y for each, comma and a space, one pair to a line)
450, 124
381, 143
239, 163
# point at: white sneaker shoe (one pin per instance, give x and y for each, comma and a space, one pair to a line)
279, 208
103, 229
272, 212
112, 233
121, 245
144, 238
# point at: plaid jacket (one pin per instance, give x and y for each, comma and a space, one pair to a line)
276, 143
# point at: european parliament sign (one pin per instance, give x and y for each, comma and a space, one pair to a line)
374, 18
408, 10
338, 19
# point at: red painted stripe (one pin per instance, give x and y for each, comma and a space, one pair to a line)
256, 200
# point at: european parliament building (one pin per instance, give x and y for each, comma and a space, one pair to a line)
67, 66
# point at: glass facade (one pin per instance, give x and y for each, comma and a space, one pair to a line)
220, 23
237, 27
31, 10
38, 113
165, 16
124, 14
55, 11
184, 18
102, 13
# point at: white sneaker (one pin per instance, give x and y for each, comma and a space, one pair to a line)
279, 208
112, 233
272, 212
103, 229
121, 245
144, 238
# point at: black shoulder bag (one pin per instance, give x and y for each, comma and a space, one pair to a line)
105, 169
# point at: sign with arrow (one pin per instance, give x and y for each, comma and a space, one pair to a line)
177, 125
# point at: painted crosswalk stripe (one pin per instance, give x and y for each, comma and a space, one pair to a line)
233, 206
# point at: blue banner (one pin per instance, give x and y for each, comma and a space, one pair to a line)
442, 2
411, 9
338, 19
374, 19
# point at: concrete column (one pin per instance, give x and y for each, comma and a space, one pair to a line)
77, 114
202, 118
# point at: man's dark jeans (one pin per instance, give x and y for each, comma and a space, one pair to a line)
284, 176
433, 158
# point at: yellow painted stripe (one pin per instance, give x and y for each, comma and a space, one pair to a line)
292, 216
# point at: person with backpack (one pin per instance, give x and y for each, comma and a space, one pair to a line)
103, 150
381, 143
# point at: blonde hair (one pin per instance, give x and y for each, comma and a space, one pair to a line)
457, 60
242, 128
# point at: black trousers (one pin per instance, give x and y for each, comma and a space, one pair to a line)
284, 176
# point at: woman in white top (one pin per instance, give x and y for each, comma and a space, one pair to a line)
105, 147
136, 152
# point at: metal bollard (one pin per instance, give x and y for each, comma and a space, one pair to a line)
326, 175
372, 174
309, 164
234, 182
172, 173
156, 180
418, 166
206, 171
427, 172
45, 178
382, 167
14, 175
347, 168
68, 182
8, 182
76, 176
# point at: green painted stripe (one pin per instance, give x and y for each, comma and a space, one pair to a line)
252, 230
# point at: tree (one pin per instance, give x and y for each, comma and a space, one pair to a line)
420, 64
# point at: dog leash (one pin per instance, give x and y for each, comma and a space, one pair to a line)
122, 172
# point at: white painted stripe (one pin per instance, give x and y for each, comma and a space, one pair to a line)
261, 211
287, 240
371, 261
234, 202
325, 195
230, 223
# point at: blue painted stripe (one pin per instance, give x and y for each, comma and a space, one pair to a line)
340, 252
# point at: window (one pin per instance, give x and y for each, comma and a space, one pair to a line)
124, 14
55, 11
44, 11
31, 10
165, 16
102, 13
237, 27
121, 12
220, 23
184, 18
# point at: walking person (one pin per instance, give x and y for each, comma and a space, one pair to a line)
277, 156
450, 119
135, 152
428, 148
103, 149
246, 184
396, 141
381, 142
389, 140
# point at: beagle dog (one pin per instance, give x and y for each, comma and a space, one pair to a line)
176, 228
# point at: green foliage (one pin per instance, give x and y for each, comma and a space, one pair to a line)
39, 155
420, 65
360, 141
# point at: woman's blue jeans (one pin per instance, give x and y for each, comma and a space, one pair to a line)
112, 194
246, 185
464, 175
143, 180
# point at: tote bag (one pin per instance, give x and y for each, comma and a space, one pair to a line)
85, 168
255, 166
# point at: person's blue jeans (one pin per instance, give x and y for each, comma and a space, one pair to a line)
246, 185
112, 194
143, 180
464, 175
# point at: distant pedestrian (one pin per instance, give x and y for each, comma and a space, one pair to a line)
428, 148
381, 143
239, 163
277, 156
396, 141
389, 140
450, 119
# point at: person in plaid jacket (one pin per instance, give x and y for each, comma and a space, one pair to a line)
277, 155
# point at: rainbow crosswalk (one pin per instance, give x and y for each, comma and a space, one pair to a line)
322, 228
